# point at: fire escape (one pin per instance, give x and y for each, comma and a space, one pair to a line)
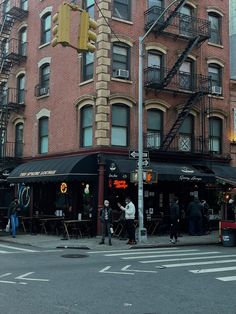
194, 32
12, 52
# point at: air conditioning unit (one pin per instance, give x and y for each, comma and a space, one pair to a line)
124, 74
216, 90
43, 91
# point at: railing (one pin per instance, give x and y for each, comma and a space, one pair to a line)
181, 24
11, 150
153, 77
185, 143
16, 49
12, 96
16, 8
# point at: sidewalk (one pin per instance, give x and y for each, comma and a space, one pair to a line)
53, 242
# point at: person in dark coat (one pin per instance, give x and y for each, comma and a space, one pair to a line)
194, 212
230, 210
12, 215
106, 220
174, 220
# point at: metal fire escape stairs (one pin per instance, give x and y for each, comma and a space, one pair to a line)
195, 97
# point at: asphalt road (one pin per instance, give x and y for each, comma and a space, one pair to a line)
149, 281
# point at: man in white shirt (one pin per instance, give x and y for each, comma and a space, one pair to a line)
129, 210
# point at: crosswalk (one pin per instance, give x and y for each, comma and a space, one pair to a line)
12, 249
195, 261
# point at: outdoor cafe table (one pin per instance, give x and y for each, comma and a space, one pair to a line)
78, 225
49, 221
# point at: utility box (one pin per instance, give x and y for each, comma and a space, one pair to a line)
142, 235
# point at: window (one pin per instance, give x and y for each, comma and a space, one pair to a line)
186, 131
215, 135
45, 75
154, 127
122, 9
157, 3
46, 29
21, 89
121, 61
24, 4
87, 66
155, 8
215, 72
6, 6
19, 139
88, 5
155, 67
186, 75
215, 28
22, 41
120, 126
186, 22
43, 135
87, 126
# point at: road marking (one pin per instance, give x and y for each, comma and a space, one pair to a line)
200, 263
5, 275
185, 259
137, 270
16, 248
4, 281
230, 278
212, 270
148, 252
167, 255
136, 250
105, 270
31, 279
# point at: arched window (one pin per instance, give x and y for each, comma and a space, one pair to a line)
21, 89
154, 128
121, 61
24, 4
186, 21
43, 135
120, 125
186, 131
45, 28
44, 78
19, 131
215, 135
215, 28
215, 72
22, 41
86, 126
155, 67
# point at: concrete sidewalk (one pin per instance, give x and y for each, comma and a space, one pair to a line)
52, 241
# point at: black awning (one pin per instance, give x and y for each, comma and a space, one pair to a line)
182, 172
225, 173
55, 169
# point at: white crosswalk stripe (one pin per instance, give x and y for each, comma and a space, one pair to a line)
10, 249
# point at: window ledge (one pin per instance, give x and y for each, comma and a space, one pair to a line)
43, 96
217, 97
121, 80
86, 82
122, 20
44, 45
215, 45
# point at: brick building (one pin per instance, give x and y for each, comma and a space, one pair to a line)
73, 118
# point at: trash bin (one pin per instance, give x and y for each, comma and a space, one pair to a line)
229, 237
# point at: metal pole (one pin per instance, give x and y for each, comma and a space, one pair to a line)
140, 126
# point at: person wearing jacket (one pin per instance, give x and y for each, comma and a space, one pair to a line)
12, 215
129, 210
174, 220
194, 213
106, 220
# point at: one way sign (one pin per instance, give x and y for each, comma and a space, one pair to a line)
135, 154
145, 162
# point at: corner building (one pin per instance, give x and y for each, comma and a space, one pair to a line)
73, 118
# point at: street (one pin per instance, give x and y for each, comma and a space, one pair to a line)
143, 281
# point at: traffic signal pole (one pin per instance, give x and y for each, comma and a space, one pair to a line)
142, 230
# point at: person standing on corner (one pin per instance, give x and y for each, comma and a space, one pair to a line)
129, 210
174, 220
106, 220
12, 215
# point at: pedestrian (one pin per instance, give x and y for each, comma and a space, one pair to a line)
174, 220
194, 212
106, 220
230, 210
12, 215
129, 210
205, 217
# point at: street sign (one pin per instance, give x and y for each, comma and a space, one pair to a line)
135, 154
145, 162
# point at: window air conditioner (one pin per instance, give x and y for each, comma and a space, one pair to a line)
216, 90
43, 91
124, 74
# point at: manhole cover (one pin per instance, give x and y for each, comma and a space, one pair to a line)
74, 255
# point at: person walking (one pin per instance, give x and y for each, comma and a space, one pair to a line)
129, 210
230, 210
205, 217
174, 220
12, 215
106, 220
194, 212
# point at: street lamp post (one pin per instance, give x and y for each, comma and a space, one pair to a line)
142, 230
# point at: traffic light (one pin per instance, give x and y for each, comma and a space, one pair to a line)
61, 30
86, 36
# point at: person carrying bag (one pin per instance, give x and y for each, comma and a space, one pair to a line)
12, 216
